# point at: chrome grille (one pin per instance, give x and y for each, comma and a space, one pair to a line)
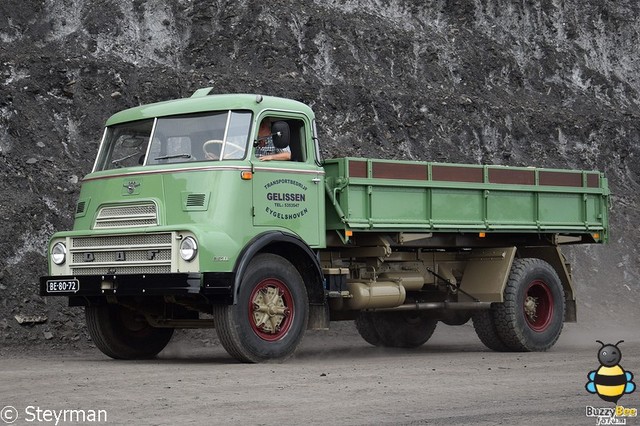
126, 216
122, 240
129, 256
121, 254
149, 269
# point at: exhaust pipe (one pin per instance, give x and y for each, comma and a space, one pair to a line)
427, 306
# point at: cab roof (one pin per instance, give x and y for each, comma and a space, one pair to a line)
201, 101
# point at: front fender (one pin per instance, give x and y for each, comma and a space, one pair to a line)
291, 248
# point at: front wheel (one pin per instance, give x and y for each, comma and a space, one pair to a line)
122, 333
271, 313
532, 314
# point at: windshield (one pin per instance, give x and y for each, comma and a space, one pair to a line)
178, 139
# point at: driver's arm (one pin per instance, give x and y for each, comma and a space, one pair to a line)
282, 156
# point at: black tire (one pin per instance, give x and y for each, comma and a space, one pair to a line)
532, 314
403, 329
121, 333
367, 329
486, 330
271, 291
454, 317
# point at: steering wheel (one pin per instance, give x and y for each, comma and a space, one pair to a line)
227, 153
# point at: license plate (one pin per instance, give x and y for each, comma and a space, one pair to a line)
63, 286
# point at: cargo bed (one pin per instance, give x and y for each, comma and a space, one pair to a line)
368, 194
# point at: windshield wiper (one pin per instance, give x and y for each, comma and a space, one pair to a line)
117, 162
168, 157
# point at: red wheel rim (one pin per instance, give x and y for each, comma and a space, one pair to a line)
538, 306
271, 309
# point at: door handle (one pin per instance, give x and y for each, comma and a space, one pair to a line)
315, 180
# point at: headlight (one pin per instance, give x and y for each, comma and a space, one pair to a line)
188, 248
58, 253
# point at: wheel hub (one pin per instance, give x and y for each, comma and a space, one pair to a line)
538, 306
530, 306
270, 309
132, 321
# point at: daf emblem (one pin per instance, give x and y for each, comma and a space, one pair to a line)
131, 186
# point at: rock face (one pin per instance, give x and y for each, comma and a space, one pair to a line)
552, 83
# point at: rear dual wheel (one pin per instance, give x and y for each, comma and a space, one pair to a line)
532, 314
271, 313
395, 329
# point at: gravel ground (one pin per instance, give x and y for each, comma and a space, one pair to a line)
334, 378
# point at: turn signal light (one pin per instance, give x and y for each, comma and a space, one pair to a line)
246, 175
482, 235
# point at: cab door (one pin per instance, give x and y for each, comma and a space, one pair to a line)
289, 195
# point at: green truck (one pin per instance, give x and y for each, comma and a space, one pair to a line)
181, 225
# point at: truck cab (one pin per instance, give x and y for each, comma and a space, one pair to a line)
179, 202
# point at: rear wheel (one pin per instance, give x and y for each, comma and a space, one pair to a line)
403, 329
486, 330
122, 333
532, 314
367, 329
271, 313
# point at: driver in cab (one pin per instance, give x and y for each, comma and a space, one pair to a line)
265, 149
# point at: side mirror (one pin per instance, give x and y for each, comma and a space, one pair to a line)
281, 134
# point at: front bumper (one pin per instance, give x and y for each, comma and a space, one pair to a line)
173, 284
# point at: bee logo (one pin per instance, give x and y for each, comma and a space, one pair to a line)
610, 381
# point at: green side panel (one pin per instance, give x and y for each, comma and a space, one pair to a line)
398, 204
356, 204
594, 213
511, 207
457, 206
561, 208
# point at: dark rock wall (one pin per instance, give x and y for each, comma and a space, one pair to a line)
547, 83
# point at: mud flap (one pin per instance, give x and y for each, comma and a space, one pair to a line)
486, 273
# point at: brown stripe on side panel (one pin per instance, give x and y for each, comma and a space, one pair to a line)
514, 177
399, 171
560, 178
358, 169
593, 180
456, 174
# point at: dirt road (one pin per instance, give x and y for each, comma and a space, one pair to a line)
334, 378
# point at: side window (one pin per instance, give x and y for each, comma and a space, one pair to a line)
266, 134
298, 141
